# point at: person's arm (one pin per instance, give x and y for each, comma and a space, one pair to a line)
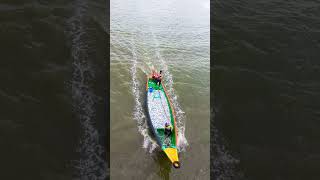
153, 73
153, 70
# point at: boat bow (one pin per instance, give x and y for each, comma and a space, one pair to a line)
172, 154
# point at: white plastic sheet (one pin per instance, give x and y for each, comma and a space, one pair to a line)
158, 109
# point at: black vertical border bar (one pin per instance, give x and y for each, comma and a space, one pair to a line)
107, 89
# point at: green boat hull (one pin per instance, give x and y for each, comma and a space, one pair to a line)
160, 112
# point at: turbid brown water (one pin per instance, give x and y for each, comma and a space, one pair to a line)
173, 37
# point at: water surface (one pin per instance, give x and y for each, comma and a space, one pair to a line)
266, 89
172, 36
52, 90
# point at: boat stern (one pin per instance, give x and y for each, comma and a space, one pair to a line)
172, 154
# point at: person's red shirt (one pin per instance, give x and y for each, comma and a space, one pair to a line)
156, 76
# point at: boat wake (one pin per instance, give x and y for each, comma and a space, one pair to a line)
139, 113
138, 89
224, 164
141, 67
91, 164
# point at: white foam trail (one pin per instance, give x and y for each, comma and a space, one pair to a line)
91, 164
139, 114
168, 80
224, 164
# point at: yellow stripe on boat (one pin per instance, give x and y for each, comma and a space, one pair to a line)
172, 154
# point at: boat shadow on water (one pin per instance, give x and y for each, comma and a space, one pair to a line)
164, 166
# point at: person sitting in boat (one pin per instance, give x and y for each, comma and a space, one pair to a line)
153, 74
167, 129
156, 76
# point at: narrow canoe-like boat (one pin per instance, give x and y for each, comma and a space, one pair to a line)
160, 112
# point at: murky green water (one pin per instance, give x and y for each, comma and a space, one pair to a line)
174, 37
52, 91
266, 87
